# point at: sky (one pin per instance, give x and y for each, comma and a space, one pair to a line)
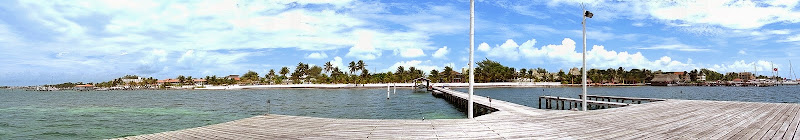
53, 41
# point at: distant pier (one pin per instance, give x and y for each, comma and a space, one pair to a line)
667, 119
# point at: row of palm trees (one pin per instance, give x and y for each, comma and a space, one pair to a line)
486, 71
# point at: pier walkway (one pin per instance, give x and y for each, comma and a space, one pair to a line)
670, 119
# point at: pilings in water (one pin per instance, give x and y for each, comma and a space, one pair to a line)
387, 91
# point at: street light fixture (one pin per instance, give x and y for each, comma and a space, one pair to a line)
585, 14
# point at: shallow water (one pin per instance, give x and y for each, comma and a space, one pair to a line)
110, 114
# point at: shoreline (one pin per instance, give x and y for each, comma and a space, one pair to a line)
383, 85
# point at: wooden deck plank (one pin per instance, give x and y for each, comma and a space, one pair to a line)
781, 126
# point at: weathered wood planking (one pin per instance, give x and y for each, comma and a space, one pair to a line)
670, 119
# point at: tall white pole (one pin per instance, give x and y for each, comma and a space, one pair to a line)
583, 105
471, 53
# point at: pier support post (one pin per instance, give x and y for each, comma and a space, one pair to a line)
387, 92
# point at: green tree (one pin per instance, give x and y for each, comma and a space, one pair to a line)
448, 74
360, 65
300, 72
434, 76
353, 67
250, 76
284, 71
181, 79
189, 80
492, 71
328, 67
270, 75
400, 73
315, 72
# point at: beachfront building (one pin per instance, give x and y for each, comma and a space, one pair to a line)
234, 77
701, 77
746, 76
168, 81
136, 80
199, 82
84, 87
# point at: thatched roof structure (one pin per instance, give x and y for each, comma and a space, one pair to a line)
665, 78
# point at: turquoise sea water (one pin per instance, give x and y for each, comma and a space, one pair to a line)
530, 96
111, 114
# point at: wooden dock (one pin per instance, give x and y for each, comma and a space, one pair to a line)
670, 119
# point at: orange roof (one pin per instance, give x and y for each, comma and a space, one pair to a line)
199, 80
86, 85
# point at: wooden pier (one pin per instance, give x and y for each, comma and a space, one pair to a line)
669, 119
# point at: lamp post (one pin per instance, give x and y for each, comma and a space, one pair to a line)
585, 14
471, 53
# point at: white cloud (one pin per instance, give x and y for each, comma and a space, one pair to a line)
726, 13
763, 67
337, 62
317, 55
411, 53
638, 24
794, 38
507, 50
484, 47
441, 52
779, 32
742, 52
363, 48
677, 47
597, 57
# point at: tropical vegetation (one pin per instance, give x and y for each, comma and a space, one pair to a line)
485, 71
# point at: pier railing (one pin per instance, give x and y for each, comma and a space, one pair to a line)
632, 100
593, 102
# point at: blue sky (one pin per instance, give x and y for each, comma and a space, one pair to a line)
48, 42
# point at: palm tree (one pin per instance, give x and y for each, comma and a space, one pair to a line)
352, 67
328, 67
434, 76
413, 72
284, 71
190, 80
181, 79
400, 73
271, 74
448, 73
360, 65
